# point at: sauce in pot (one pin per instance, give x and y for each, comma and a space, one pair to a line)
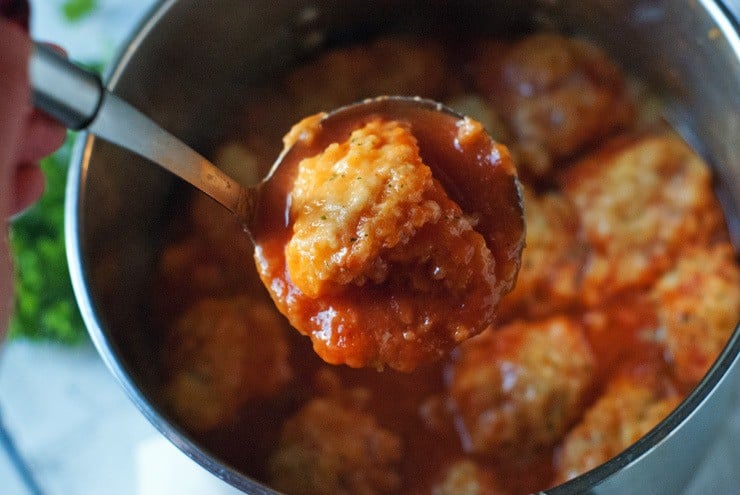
628, 289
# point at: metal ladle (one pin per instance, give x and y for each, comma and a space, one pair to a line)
78, 99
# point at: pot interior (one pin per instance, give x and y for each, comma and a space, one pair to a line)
122, 203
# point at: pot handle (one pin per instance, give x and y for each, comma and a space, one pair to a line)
65, 91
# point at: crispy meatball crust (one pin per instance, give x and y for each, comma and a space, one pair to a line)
640, 201
217, 353
520, 387
332, 445
623, 414
355, 202
699, 307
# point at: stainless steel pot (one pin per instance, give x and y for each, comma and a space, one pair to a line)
190, 60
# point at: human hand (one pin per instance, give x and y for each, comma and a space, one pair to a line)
26, 135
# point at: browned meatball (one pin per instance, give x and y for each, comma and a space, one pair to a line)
552, 260
387, 66
556, 94
332, 446
699, 307
220, 354
466, 477
355, 202
520, 387
626, 412
640, 201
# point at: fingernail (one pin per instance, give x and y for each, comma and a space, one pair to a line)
16, 11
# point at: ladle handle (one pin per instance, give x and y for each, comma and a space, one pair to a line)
77, 99
65, 91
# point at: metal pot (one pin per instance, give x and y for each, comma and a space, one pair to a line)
117, 204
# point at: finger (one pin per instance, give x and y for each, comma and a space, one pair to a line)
28, 186
42, 137
45, 118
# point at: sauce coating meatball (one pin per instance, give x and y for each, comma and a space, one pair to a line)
640, 201
216, 346
699, 307
520, 387
378, 266
331, 445
625, 412
556, 94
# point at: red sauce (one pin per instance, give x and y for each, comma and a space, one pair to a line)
623, 327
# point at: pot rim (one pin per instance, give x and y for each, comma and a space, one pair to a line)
726, 362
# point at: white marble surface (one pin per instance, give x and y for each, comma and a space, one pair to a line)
72, 422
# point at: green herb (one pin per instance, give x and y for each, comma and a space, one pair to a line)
75, 10
45, 307
323, 217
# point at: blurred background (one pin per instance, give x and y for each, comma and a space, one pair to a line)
67, 427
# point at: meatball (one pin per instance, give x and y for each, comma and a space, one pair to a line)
466, 477
640, 201
333, 446
354, 201
556, 94
383, 267
220, 354
627, 411
552, 260
387, 66
699, 307
520, 387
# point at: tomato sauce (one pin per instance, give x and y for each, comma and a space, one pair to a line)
623, 326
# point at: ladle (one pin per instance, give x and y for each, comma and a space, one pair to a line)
78, 99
